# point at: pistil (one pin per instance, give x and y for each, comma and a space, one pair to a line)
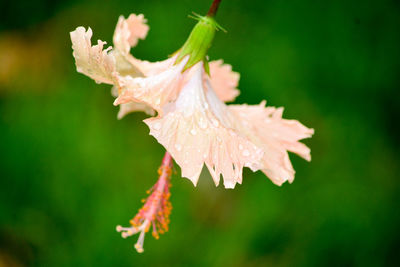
156, 209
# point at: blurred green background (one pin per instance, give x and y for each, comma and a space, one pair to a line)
70, 171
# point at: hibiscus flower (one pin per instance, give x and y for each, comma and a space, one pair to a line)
185, 95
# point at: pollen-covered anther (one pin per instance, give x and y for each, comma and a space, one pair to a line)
156, 209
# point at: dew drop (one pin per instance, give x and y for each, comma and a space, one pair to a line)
178, 147
202, 123
157, 126
240, 147
246, 153
215, 122
193, 132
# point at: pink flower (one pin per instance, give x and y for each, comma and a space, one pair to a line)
193, 123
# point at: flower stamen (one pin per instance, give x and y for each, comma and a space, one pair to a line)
156, 209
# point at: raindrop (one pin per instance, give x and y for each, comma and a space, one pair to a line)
157, 126
215, 122
178, 147
202, 123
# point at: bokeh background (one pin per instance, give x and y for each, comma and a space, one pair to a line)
70, 171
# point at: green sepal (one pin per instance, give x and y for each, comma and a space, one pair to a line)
206, 66
199, 41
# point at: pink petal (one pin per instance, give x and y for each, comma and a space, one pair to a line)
266, 128
130, 107
155, 90
126, 35
129, 31
152, 68
223, 80
194, 133
90, 60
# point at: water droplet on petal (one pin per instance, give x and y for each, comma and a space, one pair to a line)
246, 153
157, 126
202, 123
178, 147
240, 147
215, 122
193, 132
